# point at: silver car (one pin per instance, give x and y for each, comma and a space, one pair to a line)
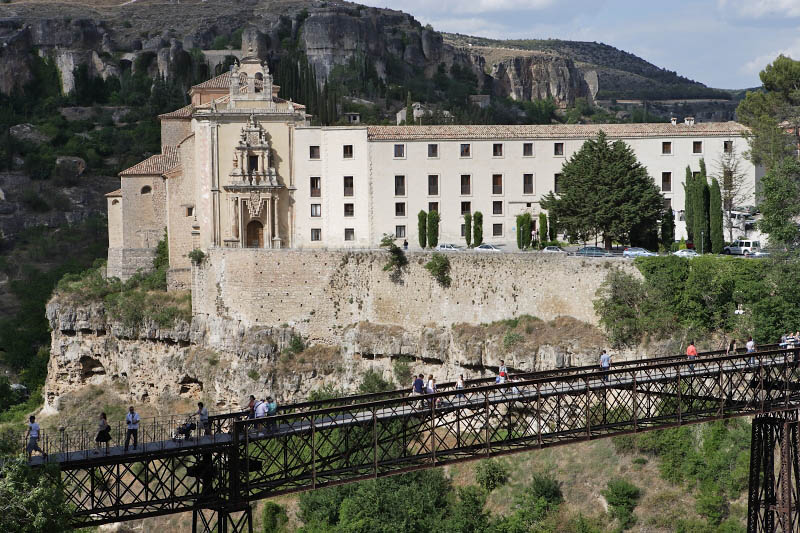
553, 250
485, 247
638, 252
446, 247
686, 253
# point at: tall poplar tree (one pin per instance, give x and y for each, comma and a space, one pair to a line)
702, 230
433, 228
468, 229
477, 229
688, 204
715, 217
422, 229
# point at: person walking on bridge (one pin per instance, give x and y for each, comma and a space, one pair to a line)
751, 349
103, 433
32, 436
251, 407
691, 354
605, 364
132, 424
202, 420
272, 410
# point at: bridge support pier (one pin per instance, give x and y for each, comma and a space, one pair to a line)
774, 493
222, 520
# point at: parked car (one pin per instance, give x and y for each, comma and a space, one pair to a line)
740, 247
593, 251
686, 253
485, 247
446, 247
553, 250
756, 254
638, 252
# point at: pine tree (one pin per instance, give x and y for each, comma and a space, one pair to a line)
688, 207
433, 229
422, 228
715, 217
668, 229
468, 229
542, 229
477, 229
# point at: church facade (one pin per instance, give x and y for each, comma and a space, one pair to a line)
242, 168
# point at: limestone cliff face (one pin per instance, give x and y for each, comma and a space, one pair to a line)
537, 77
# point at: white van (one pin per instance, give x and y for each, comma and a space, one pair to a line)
739, 247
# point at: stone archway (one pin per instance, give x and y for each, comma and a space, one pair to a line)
255, 234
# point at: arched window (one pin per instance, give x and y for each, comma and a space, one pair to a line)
243, 78
146, 189
259, 81
114, 202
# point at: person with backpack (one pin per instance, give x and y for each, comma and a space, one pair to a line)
132, 423
32, 436
103, 434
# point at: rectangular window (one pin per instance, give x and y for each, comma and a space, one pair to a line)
465, 208
189, 211
316, 210
316, 187
527, 184
497, 150
349, 234
497, 207
558, 148
433, 185
349, 210
348, 185
666, 148
399, 185
313, 152
557, 183
399, 151
727, 147
433, 206
400, 232
497, 230
252, 163
497, 184
433, 151
399, 209
697, 147
666, 181
466, 184
347, 151
667, 203
316, 234
466, 150
527, 149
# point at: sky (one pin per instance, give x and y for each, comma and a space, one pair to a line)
721, 43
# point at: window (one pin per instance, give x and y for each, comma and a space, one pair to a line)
497, 207
313, 152
497, 184
465, 208
527, 184
463, 229
400, 232
399, 185
466, 185
497, 230
727, 147
146, 189
666, 181
557, 183
399, 209
189, 211
433, 185
558, 148
465, 150
527, 149
349, 234
433, 151
316, 234
316, 210
347, 151
399, 150
433, 206
497, 150
348, 185
252, 163
349, 210
666, 148
667, 203
697, 147
316, 187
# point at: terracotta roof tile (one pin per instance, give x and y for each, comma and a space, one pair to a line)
554, 131
114, 194
184, 112
155, 165
223, 81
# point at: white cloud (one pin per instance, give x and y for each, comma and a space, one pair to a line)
757, 64
761, 8
427, 7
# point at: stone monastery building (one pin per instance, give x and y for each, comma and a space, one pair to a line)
242, 168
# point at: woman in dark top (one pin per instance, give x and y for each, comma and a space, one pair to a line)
103, 433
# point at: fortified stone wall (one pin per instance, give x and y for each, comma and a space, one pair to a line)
319, 293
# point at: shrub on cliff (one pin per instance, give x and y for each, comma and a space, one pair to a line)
397, 258
439, 267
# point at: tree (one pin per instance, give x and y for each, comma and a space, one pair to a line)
542, 229
32, 499
688, 204
552, 227
519, 233
468, 229
715, 217
605, 190
409, 110
422, 228
735, 187
702, 234
477, 229
668, 229
779, 206
433, 229
526, 230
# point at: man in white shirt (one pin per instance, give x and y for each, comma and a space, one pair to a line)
132, 423
202, 420
32, 437
261, 412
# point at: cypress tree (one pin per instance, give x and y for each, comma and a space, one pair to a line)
542, 229
525, 231
702, 234
519, 232
668, 229
468, 229
433, 229
409, 110
422, 228
688, 205
715, 217
552, 228
477, 229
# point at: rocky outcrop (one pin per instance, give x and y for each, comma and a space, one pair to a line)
537, 77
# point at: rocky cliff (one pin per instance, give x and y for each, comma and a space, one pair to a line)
538, 77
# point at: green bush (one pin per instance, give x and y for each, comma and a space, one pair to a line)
491, 474
402, 372
33, 201
439, 267
547, 488
273, 517
622, 497
197, 256
372, 381
397, 258
511, 339
296, 344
